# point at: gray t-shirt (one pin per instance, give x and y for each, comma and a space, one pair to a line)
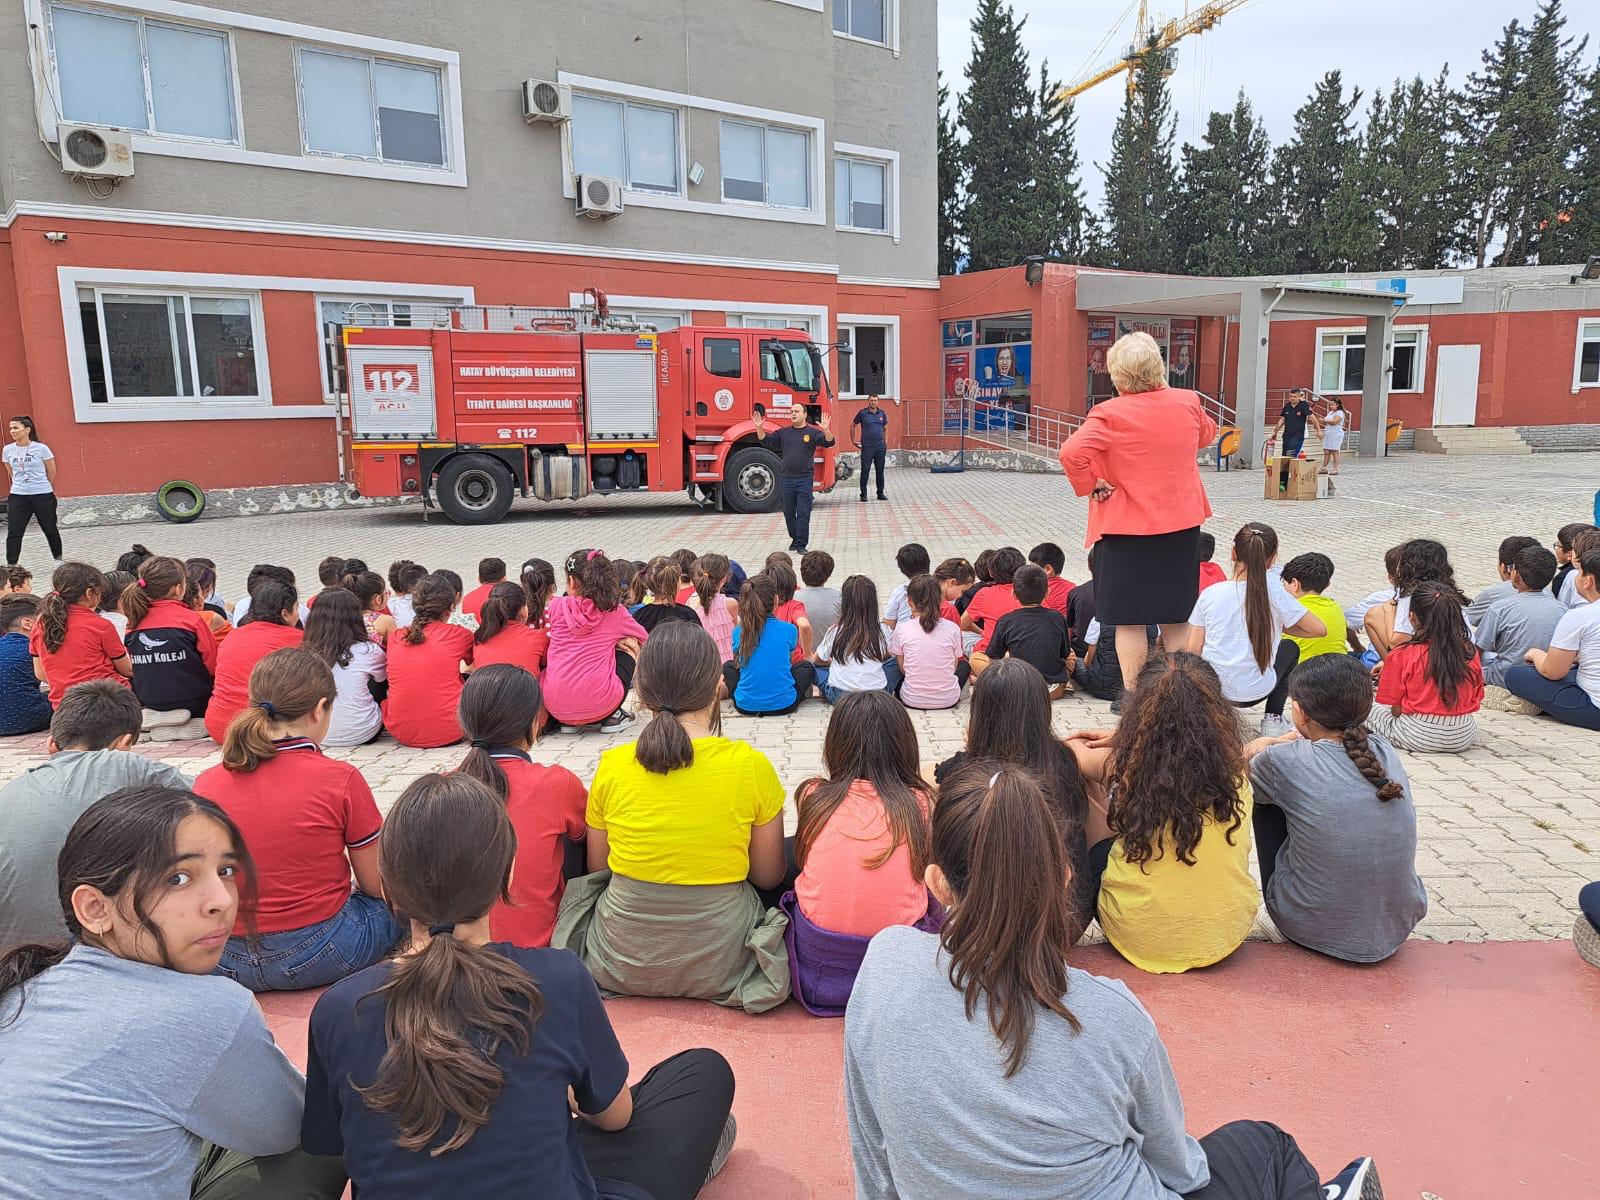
115, 1072
1518, 623
822, 610
931, 1113
1346, 880
1488, 598
37, 808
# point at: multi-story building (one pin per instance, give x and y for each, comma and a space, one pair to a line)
295, 164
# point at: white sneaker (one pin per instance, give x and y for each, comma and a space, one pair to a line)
1274, 725
1498, 699
155, 720
620, 719
719, 1159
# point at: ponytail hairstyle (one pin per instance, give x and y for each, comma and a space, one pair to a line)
446, 856
710, 572
499, 708
131, 560
784, 581
1010, 925
1439, 621
116, 583
334, 627
870, 738
858, 634
596, 577
503, 606
925, 596
685, 560
538, 584
366, 586
631, 581
70, 584
284, 686
1254, 548
1423, 560
270, 599
27, 423
1335, 691
757, 599
431, 600
664, 579
679, 669
202, 574
124, 843
158, 578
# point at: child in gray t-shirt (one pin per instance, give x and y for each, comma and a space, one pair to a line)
1335, 830
1525, 620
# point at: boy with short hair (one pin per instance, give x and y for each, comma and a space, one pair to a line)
912, 559
1081, 611
1525, 620
1053, 560
23, 707
821, 601
1566, 560
16, 580
1564, 681
1306, 577
1584, 541
403, 576
1033, 633
490, 572
1505, 558
1210, 572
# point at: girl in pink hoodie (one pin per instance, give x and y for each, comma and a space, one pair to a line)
593, 644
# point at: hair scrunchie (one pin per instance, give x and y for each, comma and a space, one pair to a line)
478, 744
268, 707
668, 709
440, 930
592, 555
143, 584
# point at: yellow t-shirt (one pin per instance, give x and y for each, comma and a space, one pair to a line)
1333, 617
1165, 917
688, 826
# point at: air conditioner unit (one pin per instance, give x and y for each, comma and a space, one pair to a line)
599, 197
95, 151
545, 101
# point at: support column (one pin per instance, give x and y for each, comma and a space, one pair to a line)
1375, 386
1250, 385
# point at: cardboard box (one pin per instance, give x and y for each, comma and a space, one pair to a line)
1292, 479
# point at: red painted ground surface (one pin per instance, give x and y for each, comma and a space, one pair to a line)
1471, 1071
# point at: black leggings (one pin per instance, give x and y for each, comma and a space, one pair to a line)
1283, 665
803, 673
1271, 830
679, 1109
1255, 1160
19, 509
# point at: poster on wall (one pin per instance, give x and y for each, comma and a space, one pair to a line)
1004, 375
1102, 332
1157, 327
1184, 352
958, 334
957, 370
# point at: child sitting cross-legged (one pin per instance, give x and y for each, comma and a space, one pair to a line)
425, 668
1037, 635
593, 644
912, 559
24, 707
1431, 686
1564, 681
1524, 619
504, 635
761, 678
1306, 578
855, 655
928, 648
173, 650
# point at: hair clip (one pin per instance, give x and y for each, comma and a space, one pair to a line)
993, 778
592, 555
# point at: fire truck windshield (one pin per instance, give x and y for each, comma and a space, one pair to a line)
793, 363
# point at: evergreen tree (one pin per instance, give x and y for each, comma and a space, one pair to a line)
1485, 136
997, 111
1223, 212
1540, 116
1576, 235
1308, 172
951, 192
1056, 226
1141, 182
1408, 176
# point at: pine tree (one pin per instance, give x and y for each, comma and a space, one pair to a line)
1141, 182
951, 192
1408, 175
996, 112
1577, 232
1540, 116
1308, 172
1485, 135
1223, 211
1056, 226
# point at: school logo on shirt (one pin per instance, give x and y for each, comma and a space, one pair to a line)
150, 643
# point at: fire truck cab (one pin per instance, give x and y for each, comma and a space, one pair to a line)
480, 405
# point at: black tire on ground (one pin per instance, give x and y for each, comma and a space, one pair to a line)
180, 501
474, 489
750, 481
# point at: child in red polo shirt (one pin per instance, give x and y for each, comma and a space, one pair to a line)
173, 650
504, 635
501, 707
994, 600
310, 822
271, 626
425, 669
1431, 687
1053, 560
790, 609
72, 642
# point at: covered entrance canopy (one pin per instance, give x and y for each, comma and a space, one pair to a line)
1254, 302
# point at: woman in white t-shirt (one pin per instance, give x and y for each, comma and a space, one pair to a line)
32, 468
855, 657
1238, 628
337, 635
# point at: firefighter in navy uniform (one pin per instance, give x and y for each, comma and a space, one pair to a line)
796, 445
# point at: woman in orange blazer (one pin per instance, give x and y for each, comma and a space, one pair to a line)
1134, 457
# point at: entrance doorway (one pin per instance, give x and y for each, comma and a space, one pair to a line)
1455, 386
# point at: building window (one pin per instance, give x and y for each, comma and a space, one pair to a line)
143, 75
383, 311
861, 194
353, 106
1586, 371
663, 321
724, 357
765, 164
800, 321
864, 19
148, 346
869, 361
1342, 357
636, 143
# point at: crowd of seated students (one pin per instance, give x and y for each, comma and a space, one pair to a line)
470, 936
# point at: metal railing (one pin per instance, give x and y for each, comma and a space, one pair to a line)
985, 425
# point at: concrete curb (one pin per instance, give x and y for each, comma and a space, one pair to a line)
126, 509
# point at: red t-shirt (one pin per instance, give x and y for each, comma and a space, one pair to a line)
472, 602
1210, 573
425, 685
546, 806
520, 645
1404, 681
300, 848
950, 612
1056, 591
988, 606
236, 658
684, 593
87, 652
792, 611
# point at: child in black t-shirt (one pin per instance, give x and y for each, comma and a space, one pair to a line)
1033, 633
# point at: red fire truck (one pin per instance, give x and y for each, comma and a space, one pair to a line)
473, 406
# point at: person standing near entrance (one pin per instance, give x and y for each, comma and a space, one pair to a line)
874, 446
796, 445
32, 468
1292, 422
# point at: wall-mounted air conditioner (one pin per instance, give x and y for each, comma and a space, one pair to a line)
599, 197
95, 151
545, 101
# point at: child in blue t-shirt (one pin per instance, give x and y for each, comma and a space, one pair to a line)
23, 707
761, 678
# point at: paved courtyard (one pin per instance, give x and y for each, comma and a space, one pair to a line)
1507, 832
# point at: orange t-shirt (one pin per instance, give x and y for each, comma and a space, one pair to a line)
838, 892
792, 611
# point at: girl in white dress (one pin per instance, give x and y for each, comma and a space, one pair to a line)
1332, 437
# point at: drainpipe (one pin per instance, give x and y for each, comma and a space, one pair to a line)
1266, 313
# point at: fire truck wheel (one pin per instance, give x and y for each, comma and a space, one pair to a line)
475, 489
750, 480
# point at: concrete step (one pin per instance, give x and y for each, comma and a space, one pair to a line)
1468, 439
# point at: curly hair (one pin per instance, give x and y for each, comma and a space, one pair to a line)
1177, 759
1423, 560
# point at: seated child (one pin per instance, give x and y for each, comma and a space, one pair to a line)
761, 678
1564, 681
1355, 615
685, 559
663, 583
16, 580
173, 651
24, 705
1081, 611
1583, 541
1338, 863
373, 596
1306, 578
1523, 620
1099, 670
1432, 684
718, 613
820, 600
684, 826
1210, 571
490, 572
981, 578
912, 559
202, 586
336, 634
1037, 635
593, 643
1505, 559
1421, 560
1053, 560
71, 642
241, 610
855, 655
424, 667
504, 635
403, 576
501, 710
995, 599
310, 927
788, 606
1562, 587
271, 627
927, 648
111, 603
955, 576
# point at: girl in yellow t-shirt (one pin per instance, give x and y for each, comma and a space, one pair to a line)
1169, 827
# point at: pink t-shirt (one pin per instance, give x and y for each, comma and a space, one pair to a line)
719, 623
838, 892
929, 660
580, 675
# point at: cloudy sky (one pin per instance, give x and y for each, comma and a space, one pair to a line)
1274, 49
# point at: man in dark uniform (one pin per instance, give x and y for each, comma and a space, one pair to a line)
874, 446
796, 445
1292, 422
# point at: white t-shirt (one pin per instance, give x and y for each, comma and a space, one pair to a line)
1402, 617
897, 610
28, 476
242, 609
1569, 594
1220, 612
400, 609
356, 715
929, 660
857, 675
1579, 629
1357, 612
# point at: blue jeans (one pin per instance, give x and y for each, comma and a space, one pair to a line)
358, 935
892, 675
797, 508
1562, 699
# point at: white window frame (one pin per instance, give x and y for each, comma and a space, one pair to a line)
236, 109
891, 29
890, 161
776, 316
374, 294
651, 316
372, 61
48, 96
1577, 352
814, 202
679, 125
1419, 383
891, 351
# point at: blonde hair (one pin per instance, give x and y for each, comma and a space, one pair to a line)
1135, 364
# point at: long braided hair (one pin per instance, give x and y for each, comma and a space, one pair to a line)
1335, 691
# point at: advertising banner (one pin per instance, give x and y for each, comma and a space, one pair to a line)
1157, 327
957, 370
1184, 352
958, 334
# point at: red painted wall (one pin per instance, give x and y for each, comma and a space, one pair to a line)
15, 395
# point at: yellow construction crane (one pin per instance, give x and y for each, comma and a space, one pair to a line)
1151, 37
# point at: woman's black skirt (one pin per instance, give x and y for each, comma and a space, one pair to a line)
1147, 580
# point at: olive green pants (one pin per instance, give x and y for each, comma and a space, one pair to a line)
229, 1175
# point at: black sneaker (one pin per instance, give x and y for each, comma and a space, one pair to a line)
881, 496
719, 1158
1116, 707
1358, 1181
620, 719
864, 497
